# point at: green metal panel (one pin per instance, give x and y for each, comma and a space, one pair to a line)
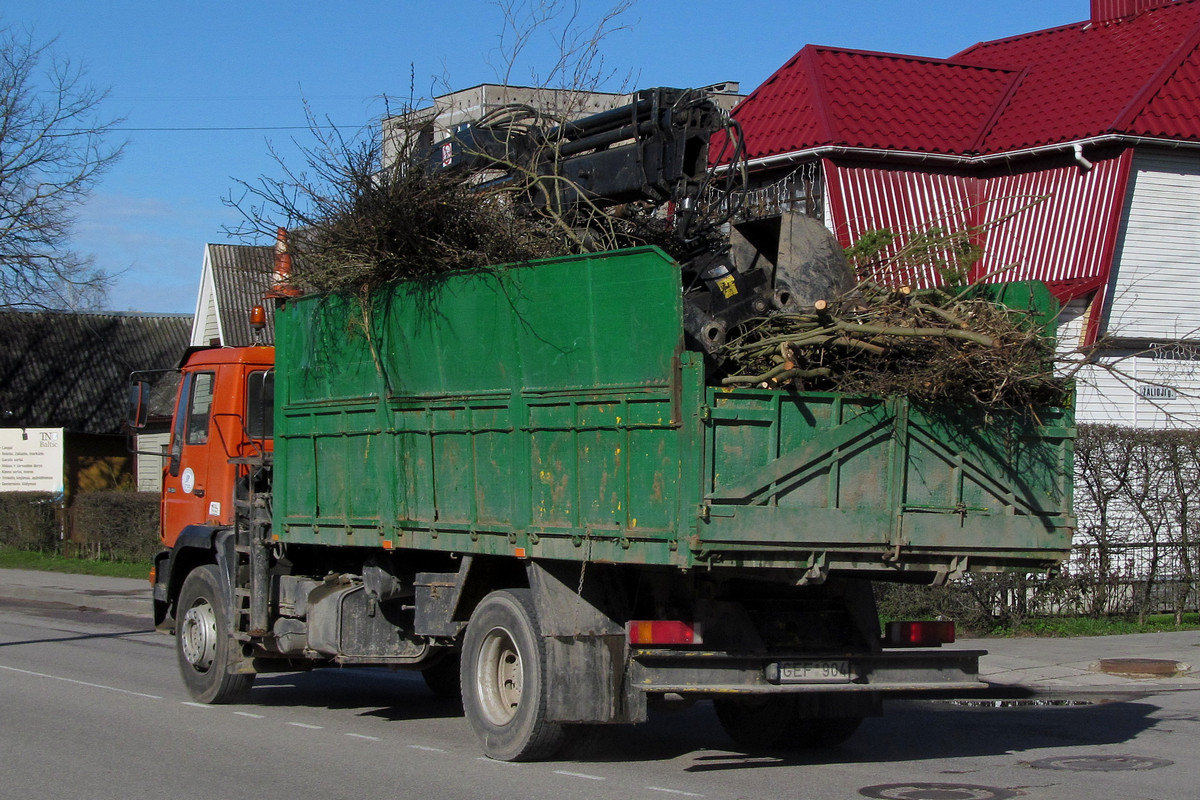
524, 407
550, 408
825, 480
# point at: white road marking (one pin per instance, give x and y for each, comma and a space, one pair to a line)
579, 775
306, 725
426, 749
673, 791
363, 736
81, 683
501, 763
248, 714
205, 706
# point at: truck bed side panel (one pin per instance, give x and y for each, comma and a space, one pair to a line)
871, 483
532, 407
551, 410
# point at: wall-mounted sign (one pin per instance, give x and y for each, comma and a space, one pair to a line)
31, 460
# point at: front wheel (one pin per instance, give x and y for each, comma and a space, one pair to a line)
504, 679
204, 644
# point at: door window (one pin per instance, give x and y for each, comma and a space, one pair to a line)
260, 404
185, 393
199, 408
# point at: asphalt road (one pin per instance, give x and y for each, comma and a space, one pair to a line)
91, 707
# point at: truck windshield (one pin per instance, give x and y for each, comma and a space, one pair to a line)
260, 404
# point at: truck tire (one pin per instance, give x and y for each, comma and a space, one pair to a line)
821, 732
757, 722
443, 678
204, 642
829, 720
504, 679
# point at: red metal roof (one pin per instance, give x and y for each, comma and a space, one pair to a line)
1088, 79
1137, 75
831, 96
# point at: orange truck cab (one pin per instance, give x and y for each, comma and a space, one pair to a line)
221, 436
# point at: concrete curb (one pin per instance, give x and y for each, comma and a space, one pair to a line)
127, 596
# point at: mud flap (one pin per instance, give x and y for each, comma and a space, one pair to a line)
586, 657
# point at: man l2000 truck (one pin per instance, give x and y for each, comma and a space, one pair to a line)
519, 482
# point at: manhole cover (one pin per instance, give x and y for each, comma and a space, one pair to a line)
936, 791
1034, 703
1101, 763
1143, 667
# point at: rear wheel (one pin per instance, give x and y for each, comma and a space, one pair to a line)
828, 719
504, 679
779, 722
820, 732
204, 644
443, 677
757, 722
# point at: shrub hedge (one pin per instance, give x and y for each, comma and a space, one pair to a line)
111, 525
117, 526
30, 521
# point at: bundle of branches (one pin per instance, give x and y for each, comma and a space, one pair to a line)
407, 224
360, 224
936, 346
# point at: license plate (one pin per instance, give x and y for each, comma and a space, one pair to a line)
825, 670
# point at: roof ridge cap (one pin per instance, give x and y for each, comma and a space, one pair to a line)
820, 105
912, 57
1166, 70
986, 128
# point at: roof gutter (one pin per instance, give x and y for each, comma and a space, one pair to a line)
1075, 148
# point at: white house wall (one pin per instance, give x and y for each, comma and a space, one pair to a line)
1144, 391
1156, 286
206, 325
149, 468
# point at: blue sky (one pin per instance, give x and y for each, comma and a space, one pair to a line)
201, 85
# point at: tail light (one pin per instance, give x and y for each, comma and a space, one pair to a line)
930, 633
659, 633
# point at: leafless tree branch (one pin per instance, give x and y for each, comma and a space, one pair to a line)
54, 147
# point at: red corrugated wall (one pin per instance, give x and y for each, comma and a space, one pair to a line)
1103, 10
1058, 225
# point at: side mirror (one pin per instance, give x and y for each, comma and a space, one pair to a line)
139, 404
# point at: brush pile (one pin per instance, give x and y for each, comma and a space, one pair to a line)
405, 224
949, 345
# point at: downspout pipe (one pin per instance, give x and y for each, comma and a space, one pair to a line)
1080, 159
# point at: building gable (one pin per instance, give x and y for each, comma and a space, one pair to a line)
235, 278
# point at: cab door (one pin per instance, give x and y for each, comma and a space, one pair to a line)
189, 462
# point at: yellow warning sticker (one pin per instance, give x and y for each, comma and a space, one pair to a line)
728, 286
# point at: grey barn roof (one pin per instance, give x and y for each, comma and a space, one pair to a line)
242, 275
68, 370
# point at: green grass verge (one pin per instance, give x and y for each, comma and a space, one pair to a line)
1103, 626
47, 562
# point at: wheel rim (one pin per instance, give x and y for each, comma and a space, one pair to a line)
500, 677
198, 635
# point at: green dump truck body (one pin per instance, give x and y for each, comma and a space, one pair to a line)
550, 411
